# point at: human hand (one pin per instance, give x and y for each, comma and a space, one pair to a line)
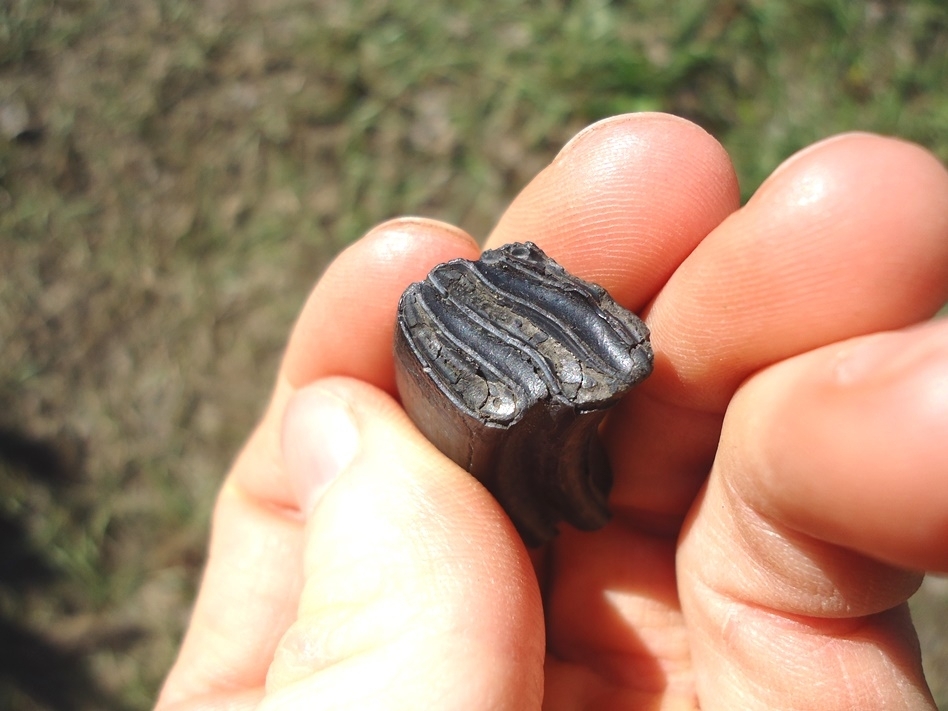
352, 566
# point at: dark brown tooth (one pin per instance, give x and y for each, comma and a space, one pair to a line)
508, 365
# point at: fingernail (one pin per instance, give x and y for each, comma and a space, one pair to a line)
816, 146
646, 117
571, 144
320, 440
874, 359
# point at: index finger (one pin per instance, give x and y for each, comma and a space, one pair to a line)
625, 201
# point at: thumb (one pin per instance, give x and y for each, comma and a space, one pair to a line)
417, 590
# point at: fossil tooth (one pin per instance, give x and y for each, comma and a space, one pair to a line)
508, 364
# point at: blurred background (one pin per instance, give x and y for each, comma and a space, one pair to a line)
175, 174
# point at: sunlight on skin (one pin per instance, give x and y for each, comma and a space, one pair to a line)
647, 205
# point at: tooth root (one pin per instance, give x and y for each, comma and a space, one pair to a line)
508, 365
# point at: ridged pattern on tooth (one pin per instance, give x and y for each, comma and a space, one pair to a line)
514, 328
508, 365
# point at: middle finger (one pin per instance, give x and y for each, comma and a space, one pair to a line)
847, 238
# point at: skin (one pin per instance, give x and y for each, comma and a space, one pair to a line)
780, 479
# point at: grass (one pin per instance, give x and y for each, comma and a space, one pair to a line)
174, 175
